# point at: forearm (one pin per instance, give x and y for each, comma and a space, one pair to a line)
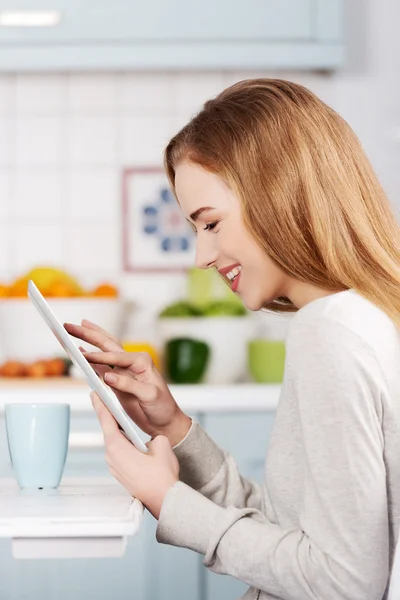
178, 429
286, 563
205, 467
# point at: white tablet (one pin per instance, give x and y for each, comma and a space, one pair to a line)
94, 381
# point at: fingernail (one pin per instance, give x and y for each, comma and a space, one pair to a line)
110, 377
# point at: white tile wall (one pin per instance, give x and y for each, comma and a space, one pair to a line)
38, 196
32, 244
38, 141
40, 94
146, 94
7, 141
64, 139
91, 140
5, 193
5, 258
93, 194
93, 96
93, 247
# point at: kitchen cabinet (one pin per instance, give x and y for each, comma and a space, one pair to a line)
245, 436
121, 35
148, 570
104, 578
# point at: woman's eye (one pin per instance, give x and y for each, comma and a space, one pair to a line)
211, 226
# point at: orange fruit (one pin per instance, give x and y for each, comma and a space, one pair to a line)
3, 290
55, 367
61, 289
37, 369
13, 368
19, 288
106, 290
45, 277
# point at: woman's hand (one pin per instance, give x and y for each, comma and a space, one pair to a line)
147, 477
138, 385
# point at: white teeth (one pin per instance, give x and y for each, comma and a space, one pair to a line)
232, 274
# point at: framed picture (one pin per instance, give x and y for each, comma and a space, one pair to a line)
156, 235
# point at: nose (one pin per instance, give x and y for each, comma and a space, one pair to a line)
206, 253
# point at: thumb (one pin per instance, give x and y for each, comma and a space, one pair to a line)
159, 444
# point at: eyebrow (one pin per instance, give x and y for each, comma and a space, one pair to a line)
195, 215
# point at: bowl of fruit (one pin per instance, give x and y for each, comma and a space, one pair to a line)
24, 336
224, 325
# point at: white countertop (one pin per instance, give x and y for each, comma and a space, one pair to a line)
81, 518
191, 398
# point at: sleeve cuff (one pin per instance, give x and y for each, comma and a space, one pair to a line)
185, 438
200, 458
190, 520
187, 519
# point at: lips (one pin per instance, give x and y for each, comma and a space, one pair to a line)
235, 283
226, 270
232, 282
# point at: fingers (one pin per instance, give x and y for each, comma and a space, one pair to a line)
100, 370
159, 443
145, 392
90, 325
137, 362
97, 338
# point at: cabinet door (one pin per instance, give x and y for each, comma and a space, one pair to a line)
97, 579
159, 21
178, 34
147, 571
245, 436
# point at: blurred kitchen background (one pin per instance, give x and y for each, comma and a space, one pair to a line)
85, 105
90, 93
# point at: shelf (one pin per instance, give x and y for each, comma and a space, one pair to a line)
235, 397
82, 517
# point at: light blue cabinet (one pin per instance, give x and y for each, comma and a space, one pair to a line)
245, 436
156, 34
98, 579
148, 570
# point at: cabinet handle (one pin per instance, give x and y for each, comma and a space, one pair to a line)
86, 440
26, 18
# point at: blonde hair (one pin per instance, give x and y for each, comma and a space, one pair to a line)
309, 195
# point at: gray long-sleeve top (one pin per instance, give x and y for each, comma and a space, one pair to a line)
324, 524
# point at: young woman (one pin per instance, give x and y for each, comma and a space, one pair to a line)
286, 206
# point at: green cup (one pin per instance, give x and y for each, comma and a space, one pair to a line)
186, 360
266, 360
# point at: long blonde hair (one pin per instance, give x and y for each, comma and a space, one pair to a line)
309, 195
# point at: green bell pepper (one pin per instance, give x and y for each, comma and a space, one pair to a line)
186, 360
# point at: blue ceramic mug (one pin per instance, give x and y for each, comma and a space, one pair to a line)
37, 436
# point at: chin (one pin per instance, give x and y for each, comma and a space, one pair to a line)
253, 304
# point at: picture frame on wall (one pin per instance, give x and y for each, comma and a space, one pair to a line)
155, 234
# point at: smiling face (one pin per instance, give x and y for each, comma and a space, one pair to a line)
222, 240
